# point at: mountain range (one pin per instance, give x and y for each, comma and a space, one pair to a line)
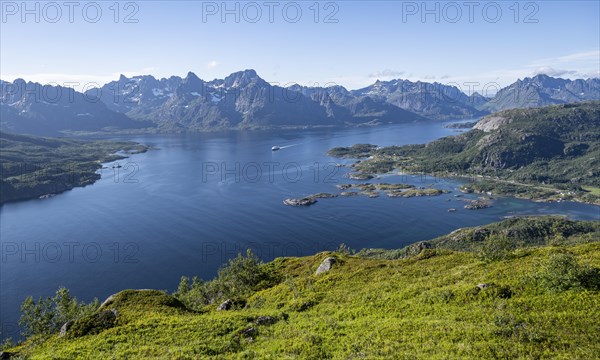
32, 108
243, 100
543, 90
432, 100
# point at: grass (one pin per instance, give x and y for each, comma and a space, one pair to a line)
593, 190
417, 307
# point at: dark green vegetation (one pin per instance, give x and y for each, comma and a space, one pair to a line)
415, 193
521, 288
35, 166
46, 316
509, 234
355, 151
241, 277
550, 153
463, 125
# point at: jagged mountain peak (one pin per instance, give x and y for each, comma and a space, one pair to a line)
191, 77
243, 78
192, 82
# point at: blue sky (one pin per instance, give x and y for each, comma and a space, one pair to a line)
352, 43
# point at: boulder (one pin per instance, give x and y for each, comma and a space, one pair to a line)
326, 265
423, 245
63, 329
417, 248
92, 324
226, 305
265, 320
483, 286
109, 300
248, 332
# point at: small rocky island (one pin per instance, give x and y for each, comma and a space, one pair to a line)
306, 201
369, 190
349, 193
322, 196
478, 204
360, 176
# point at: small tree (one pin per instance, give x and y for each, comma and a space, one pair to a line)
66, 307
192, 294
183, 288
343, 249
7, 344
46, 316
36, 318
240, 275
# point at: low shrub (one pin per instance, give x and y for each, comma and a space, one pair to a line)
562, 272
495, 248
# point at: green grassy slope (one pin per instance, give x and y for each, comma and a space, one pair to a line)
522, 232
422, 306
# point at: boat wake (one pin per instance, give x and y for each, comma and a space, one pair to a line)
288, 146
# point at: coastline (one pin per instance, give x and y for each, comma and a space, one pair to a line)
78, 178
478, 177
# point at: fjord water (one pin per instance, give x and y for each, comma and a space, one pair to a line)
196, 200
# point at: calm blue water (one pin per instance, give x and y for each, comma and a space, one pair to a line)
198, 200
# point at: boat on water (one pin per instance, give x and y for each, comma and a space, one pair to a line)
275, 148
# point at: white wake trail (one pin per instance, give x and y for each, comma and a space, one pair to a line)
288, 146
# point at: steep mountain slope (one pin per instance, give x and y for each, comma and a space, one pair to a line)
543, 90
32, 108
341, 103
432, 100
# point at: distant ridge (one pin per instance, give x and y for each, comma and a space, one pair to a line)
243, 100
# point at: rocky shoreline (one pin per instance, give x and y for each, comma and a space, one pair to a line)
368, 190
